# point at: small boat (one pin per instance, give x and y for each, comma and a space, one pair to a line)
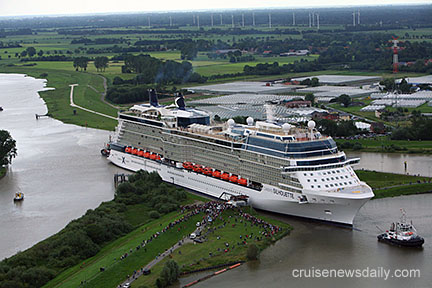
402, 234
1, 108
19, 196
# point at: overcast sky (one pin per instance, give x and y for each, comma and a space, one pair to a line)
44, 7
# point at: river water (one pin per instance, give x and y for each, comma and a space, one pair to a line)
321, 246
61, 172
59, 168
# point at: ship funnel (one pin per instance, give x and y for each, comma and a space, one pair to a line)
179, 101
153, 98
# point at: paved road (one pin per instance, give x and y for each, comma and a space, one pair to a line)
150, 265
85, 109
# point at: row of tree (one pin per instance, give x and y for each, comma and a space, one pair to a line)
84, 237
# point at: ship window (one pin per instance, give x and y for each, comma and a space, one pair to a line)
337, 178
308, 180
345, 183
331, 185
312, 186
336, 184
350, 182
324, 173
337, 171
332, 178
319, 186
346, 176
315, 180
311, 174
334, 172
323, 180
326, 186
304, 174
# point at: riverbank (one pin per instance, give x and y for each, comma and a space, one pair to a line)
87, 94
391, 185
385, 145
2, 172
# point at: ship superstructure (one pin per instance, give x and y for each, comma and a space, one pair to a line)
280, 167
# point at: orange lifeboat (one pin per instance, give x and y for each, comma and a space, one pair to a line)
140, 153
208, 171
134, 151
158, 158
187, 165
216, 174
197, 168
153, 156
128, 149
225, 176
242, 181
147, 154
233, 179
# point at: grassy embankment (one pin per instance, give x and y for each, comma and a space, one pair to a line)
192, 257
2, 171
391, 185
384, 144
58, 100
197, 256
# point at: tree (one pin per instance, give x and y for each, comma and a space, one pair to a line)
101, 63
40, 53
31, 51
345, 100
169, 274
314, 82
252, 252
7, 148
80, 62
310, 97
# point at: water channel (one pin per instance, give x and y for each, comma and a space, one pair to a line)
61, 172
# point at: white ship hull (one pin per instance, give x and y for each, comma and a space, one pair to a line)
325, 207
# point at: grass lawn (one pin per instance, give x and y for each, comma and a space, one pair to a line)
380, 179
197, 256
379, 182
116, 270
384, 144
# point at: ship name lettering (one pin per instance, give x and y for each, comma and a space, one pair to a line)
283, 193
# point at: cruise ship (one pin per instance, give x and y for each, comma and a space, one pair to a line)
281, 168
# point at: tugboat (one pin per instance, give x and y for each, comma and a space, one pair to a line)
19, 196
402, 234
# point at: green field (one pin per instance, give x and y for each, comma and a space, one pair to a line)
383, 144
191, 257
392, 185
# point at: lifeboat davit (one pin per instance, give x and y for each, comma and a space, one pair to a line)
147, 155
216, 174
225, 176
134, 151
242, 181
140, 153
233, 179
128, 149
153, 156
208, 171
187, 165
197, 168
